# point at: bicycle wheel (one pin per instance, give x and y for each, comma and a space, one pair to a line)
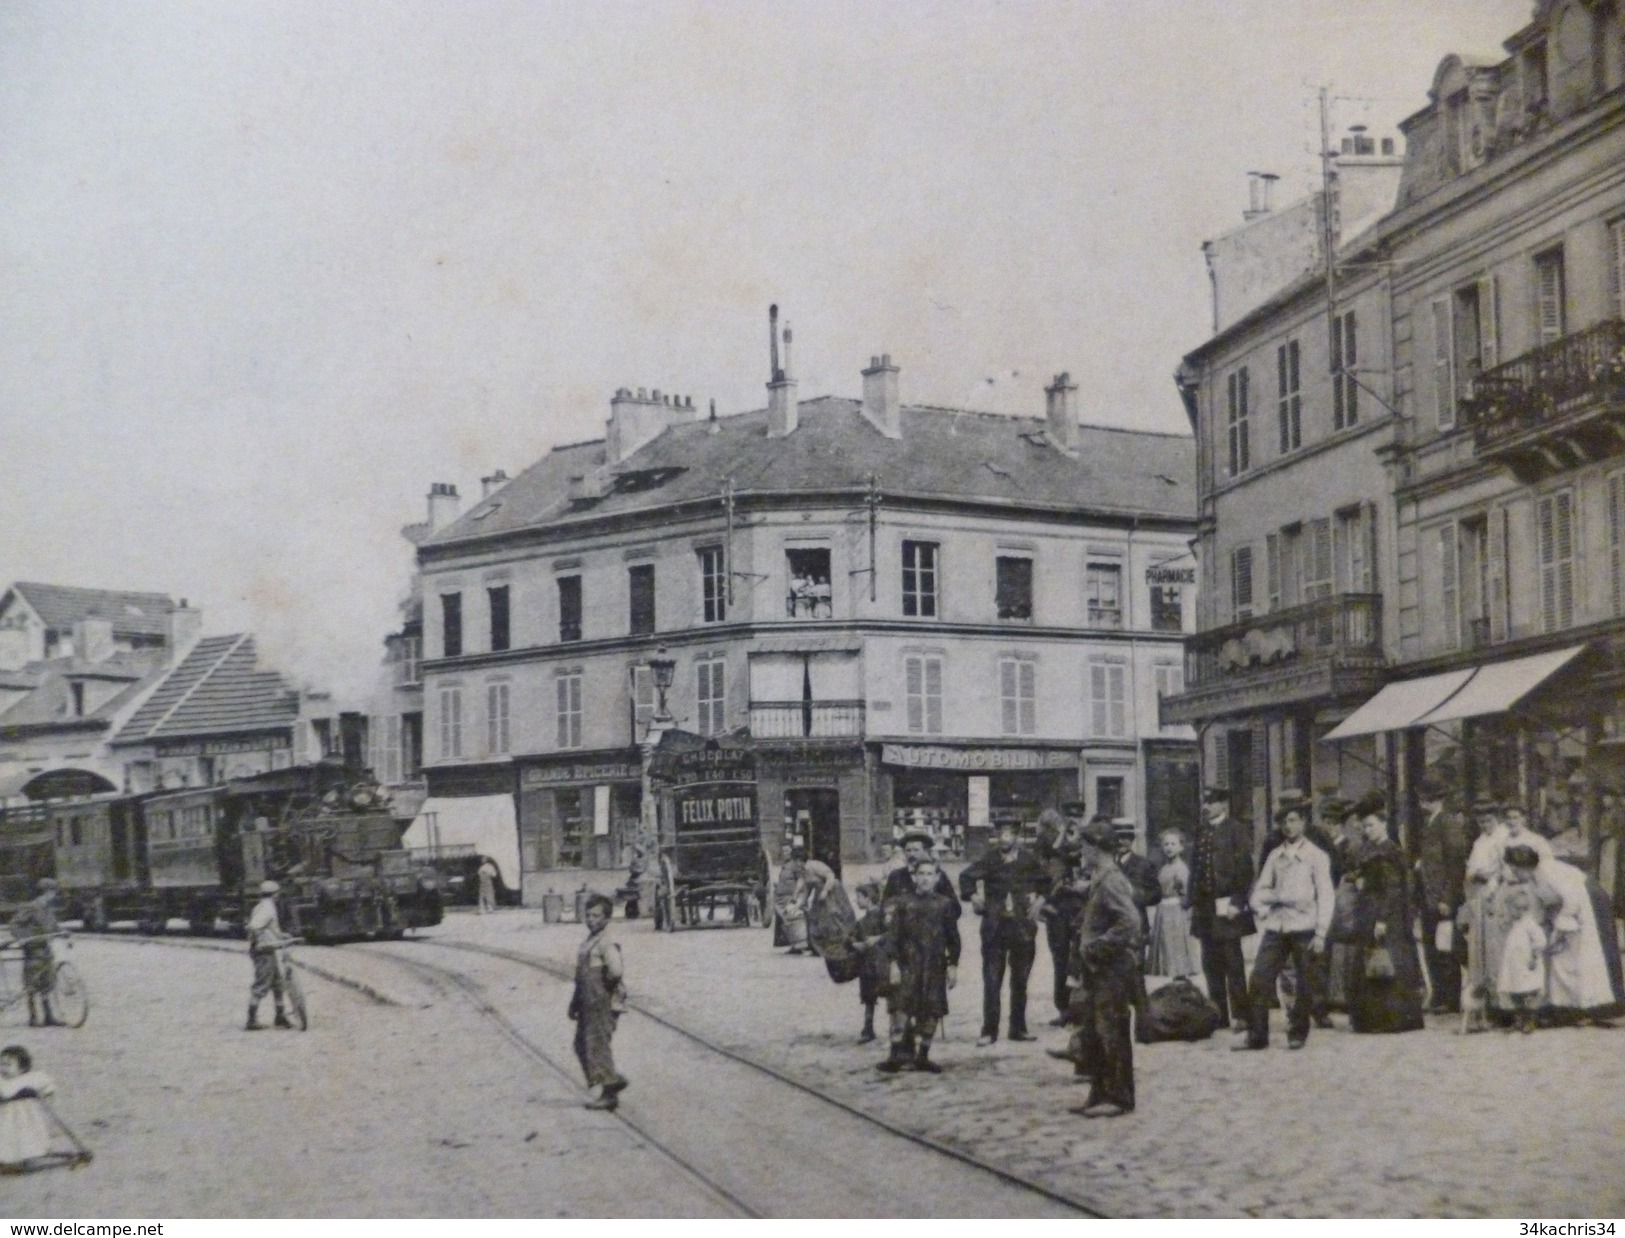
296, 1000
69, 999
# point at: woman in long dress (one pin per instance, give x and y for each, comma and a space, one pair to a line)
1171, 952
1488, 915
25, 1135
1582, 972
1385, 979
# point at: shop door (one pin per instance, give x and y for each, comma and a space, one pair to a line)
815, 814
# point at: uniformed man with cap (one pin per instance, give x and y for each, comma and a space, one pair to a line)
1441, 872
264, 939
33, 925
1221, 879
1006, 887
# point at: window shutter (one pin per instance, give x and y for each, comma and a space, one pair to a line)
1616, 265
1007, 695
1616, 536
1097, 699
1241, 581
914, 692
1489, 323
1449, 588
1119, 723
1272, 568
933, 695
1368, 573
1318, 569
1554, 532
1497, 573
1028, 683
1566, 542
1444, 383
1549, 296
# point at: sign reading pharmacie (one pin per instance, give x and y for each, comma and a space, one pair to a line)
230, 746
922, 756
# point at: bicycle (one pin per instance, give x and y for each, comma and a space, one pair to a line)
292, 994
66, 999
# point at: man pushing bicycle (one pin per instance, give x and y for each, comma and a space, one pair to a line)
265, 938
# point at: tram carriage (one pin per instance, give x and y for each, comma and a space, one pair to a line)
711, 855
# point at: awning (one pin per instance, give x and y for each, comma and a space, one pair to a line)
485, 822
1489, 689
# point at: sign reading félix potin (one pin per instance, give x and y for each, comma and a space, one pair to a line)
714, 788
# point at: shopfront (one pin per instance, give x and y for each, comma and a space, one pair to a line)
579, 812
817, 795
961, 795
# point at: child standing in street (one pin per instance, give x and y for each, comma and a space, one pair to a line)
596, 1005
869, 939
1523, 961
922, 938
1171, 952
25, 1136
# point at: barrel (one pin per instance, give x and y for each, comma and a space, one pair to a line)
552, 908
582, 895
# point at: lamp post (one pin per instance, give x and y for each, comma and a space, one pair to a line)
662, 669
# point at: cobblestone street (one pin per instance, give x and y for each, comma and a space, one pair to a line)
1422, 1124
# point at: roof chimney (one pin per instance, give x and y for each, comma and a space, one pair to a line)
586, 487
490, 485
782, 412
1260, 195
185, 626
442, 505
1061, 407
637, 420
880, 405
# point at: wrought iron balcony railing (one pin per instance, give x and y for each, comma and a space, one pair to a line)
1544, 388
1346, 625
805, 719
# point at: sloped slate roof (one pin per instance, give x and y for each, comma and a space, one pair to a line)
943, 454
52, 700
217, 688
132, 614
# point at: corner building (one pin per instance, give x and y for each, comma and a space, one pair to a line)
918, 616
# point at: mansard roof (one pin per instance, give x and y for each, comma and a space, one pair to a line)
131, 614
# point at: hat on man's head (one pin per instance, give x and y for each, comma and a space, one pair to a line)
1430, 789
1372, 804
1286, 806
1333, 808
270, 887
1124, 827
1098, 832
917, 836
1075, 810
1216, 795
1515, 803
1291, 798
1485, 804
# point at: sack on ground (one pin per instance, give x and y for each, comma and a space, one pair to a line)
1177, 1011
1379, 963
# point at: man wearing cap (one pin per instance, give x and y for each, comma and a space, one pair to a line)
33, 925
1293, 901
1441, 871
1221, 879
1061, 904
1141, 872
264, 939
917, 849
1104, 975
1006, 888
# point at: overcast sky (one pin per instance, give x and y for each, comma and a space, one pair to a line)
270, 269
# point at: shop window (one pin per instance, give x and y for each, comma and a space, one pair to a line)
451, 722
1013, 587
1167, 608
810, 595
713, 584
567, 686
937, 804
1109, 796
572, 808
710, 695
1108, 700
498, 595
569, 608
640, 581
496, 719
1104, 587
922, 676
1018, 695
920, 579
451, 624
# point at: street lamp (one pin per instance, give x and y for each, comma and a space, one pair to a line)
663, 669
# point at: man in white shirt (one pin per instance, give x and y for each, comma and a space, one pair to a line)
264, 938
1292, 902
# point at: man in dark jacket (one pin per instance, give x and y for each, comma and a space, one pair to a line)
1221, 879
1105, 975
1058, 850
1441, 870
1006, 888
917, 849
922, 938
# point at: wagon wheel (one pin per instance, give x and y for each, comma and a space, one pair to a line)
666, 899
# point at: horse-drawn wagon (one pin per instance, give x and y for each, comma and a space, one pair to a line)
711, 857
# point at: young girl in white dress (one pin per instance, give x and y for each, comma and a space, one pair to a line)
1171, 951
25, 1135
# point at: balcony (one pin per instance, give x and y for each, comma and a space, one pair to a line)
806, 719
1330, 647
1553, 409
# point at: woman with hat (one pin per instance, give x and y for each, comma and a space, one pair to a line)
1385, 979
1583, 977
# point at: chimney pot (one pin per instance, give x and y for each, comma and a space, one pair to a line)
881, 405
1062, 415
442, 505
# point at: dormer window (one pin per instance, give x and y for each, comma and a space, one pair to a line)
78, 692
